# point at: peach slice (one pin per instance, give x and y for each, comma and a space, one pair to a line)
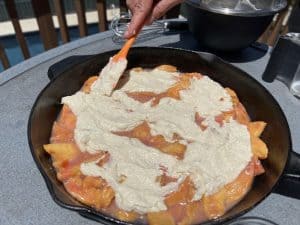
214, 204
86, 88
142, 132
184, 194
160, 218
259, 148
126, 216
62, 152
256, 128
60, 134
167, 68
67, 118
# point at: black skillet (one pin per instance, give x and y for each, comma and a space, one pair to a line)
68, 75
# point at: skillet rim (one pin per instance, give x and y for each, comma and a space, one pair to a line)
91, 213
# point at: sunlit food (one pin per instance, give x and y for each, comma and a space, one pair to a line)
165, 148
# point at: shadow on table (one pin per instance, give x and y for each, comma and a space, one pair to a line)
252, 53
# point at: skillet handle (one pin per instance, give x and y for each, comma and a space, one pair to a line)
61, 66
289, 184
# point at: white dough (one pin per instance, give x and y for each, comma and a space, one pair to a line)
213, 158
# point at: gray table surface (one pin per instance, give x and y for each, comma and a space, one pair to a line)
24, 198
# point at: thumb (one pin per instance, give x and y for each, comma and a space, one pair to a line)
140, 11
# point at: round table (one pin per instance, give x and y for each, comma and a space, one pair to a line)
24, 198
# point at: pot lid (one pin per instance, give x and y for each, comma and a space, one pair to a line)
241, 7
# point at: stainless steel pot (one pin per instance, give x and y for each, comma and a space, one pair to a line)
229, 25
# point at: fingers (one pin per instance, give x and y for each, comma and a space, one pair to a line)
161, 8
146, 11
140, 10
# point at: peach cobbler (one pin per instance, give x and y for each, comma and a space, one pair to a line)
165, 148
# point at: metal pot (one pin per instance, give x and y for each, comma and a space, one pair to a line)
229, 25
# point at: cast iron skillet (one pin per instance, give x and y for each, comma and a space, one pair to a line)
68, 75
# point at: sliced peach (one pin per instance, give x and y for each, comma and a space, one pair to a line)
160, 218
106, 196
178, 212
199, 121
240, 186
194, 213
62, 152
258, 168
95, 182
126, 216
175, 148
241, 115
167, 68
73, 186
67, 118
61, 155
234, 97
88, 192
165, 179
224, 117
61, 134
67, 158
174, 91
259, 148
214, 204
67, 172
142, 132
227, 115
142, 97
256, 128
184, 194
88, 83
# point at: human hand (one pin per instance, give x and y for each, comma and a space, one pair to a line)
145, 12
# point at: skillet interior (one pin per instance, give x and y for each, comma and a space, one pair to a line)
257, 100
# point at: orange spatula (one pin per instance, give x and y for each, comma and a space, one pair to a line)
122, 54
111, 73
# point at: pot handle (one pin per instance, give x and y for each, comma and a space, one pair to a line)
174, 25
289, 184
61, 66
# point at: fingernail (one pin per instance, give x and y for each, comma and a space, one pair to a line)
152, 19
